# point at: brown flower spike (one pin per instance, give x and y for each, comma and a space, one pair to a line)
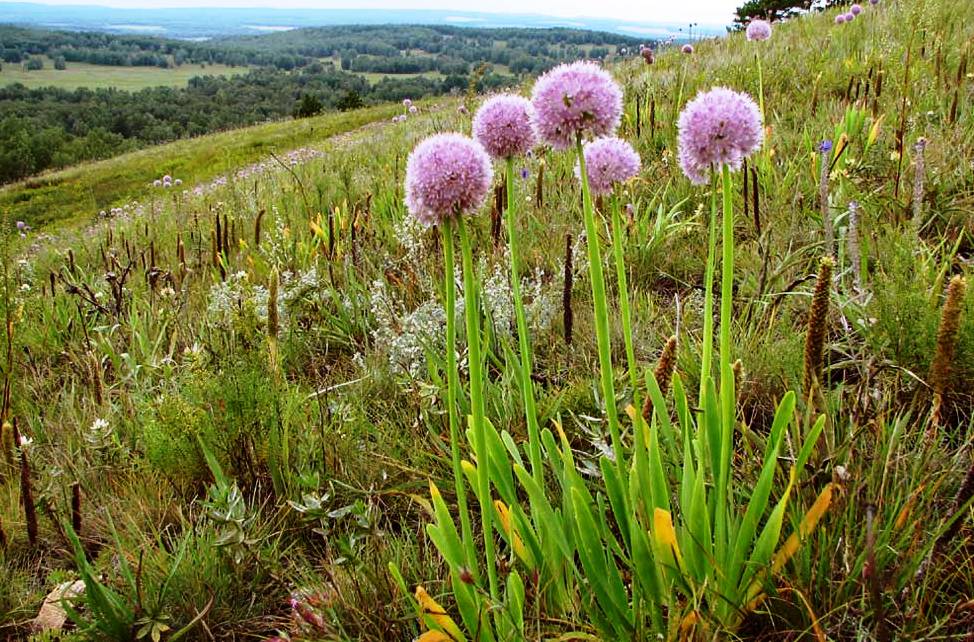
817, 326
946, 342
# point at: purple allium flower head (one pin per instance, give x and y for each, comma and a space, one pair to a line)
413, 109
577, 99
849, 17
839, 19
177, 181
687, 48
609, 161
21, 226
855, 9
167, 178
503, 126
157, 183
718, 127
446, 175
873, 2
407, 103
758, 30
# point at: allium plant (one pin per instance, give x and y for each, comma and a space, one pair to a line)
571, 102
633, 552
503, 125
610, 162
759, 30
447, 177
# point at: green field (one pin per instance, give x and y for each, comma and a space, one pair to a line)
80, 74
374, 77
283, 408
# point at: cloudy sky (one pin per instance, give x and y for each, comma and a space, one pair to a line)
703, 11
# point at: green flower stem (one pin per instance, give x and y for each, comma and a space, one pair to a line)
523, 338
727, 397
478, 419
620, 259
757, 57
452, 392
601, 309
707, 350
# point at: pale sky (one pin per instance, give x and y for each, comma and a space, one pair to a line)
685, 11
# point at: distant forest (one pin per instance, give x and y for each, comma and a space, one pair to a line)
299, 73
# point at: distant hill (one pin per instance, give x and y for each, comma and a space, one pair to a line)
205, 23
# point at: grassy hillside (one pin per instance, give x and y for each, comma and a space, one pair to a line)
83, 191
228, 482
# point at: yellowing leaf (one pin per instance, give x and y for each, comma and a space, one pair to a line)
434, 616
664, 538
434, 491
874, 130
504, 516
904, 513
808, 524
688, 625
434, 636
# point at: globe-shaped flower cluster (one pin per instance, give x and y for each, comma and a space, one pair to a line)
608, 162
446, 175
503, 126
718, 127
576, 100
758, 30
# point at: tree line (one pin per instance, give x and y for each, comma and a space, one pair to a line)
50, 127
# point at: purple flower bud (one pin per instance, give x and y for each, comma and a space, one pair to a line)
21, 226
840, 19
855, 9
825, 147
687, 48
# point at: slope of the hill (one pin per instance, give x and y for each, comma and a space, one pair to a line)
244, 486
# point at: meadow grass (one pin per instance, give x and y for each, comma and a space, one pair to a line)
82, 74
253, 484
